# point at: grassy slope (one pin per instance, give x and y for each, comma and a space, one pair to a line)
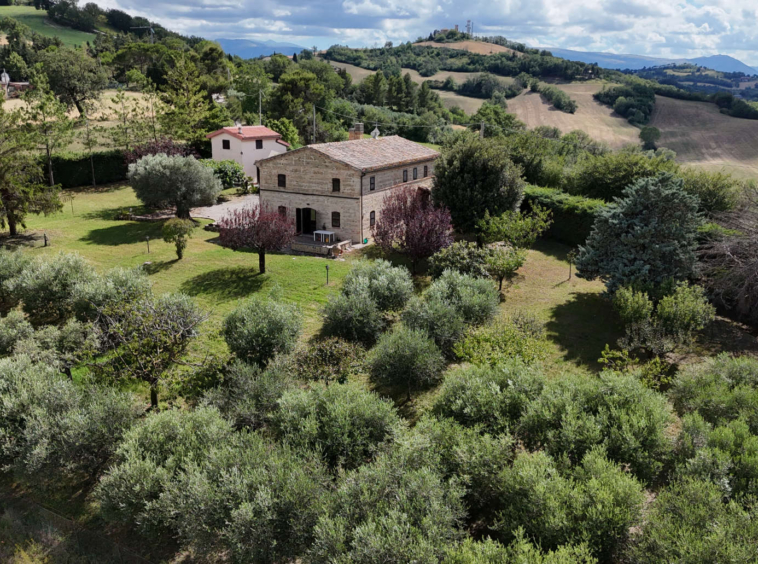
37, 20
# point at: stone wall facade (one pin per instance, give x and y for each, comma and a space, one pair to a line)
309, 184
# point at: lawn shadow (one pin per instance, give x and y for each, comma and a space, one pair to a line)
159, 266
22, 240
553, 249
230, 283
582, 327
124, 233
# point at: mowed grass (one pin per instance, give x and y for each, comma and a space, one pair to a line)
217, 278
38, 21
578, 319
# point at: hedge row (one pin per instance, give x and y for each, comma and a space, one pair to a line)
74, 169
573, 216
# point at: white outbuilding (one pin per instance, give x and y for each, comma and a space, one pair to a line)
246, 144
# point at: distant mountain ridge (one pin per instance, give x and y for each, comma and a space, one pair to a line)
248, 49
722, 63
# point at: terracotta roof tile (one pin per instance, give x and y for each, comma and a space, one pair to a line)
249, 132
374, 154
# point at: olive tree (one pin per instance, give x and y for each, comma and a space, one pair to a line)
161, 181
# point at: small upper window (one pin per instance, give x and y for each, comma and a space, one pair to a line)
415, 173
282, 181
372, 218
259, 143
225, 144
335, 184
405, 175
426, 171
335, 219
283, 211
372, 183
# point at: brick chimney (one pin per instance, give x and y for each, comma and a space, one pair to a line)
355, 132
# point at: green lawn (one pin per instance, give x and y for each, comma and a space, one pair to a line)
217, 278
37, 21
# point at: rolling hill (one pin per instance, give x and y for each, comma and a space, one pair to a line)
252, 49
722, 63
37, 20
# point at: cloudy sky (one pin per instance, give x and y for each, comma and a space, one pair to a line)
666, 28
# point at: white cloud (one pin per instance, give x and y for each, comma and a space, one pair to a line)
672, 28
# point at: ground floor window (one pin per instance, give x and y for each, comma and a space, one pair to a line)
372, 218
283, 211
335, 219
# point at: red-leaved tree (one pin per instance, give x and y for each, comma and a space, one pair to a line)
162, 145
410, 224
256, 228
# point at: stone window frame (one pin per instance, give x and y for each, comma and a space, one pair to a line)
336, 219
281, 180
372, 183
372, 219
426, 171
405, 175
415, 173
336, 184
226, 144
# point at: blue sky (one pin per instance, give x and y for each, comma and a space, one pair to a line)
665, 28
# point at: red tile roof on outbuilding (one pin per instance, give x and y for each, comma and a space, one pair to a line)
249, 132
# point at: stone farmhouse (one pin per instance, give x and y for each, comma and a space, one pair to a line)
246, 144
341, 186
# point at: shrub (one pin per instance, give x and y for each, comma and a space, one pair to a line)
389, 286
255, 501
46, 286
49, 426
475, 299
573, 414
12, 263
330, 360
685, 312
393, 510
646, 237
117, 286
344, 423
177, 231
726, 455
75, 169
247, 394
516, 229
463, 257
438, 319
354, 317
689, 522
465, 453
13, 328
720, 389
149, 459
260, 329
230, 173
632, 306
573, 216
493, 398
406, 357
520, 551
607, 176
717, 191
499, 342
596, 502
